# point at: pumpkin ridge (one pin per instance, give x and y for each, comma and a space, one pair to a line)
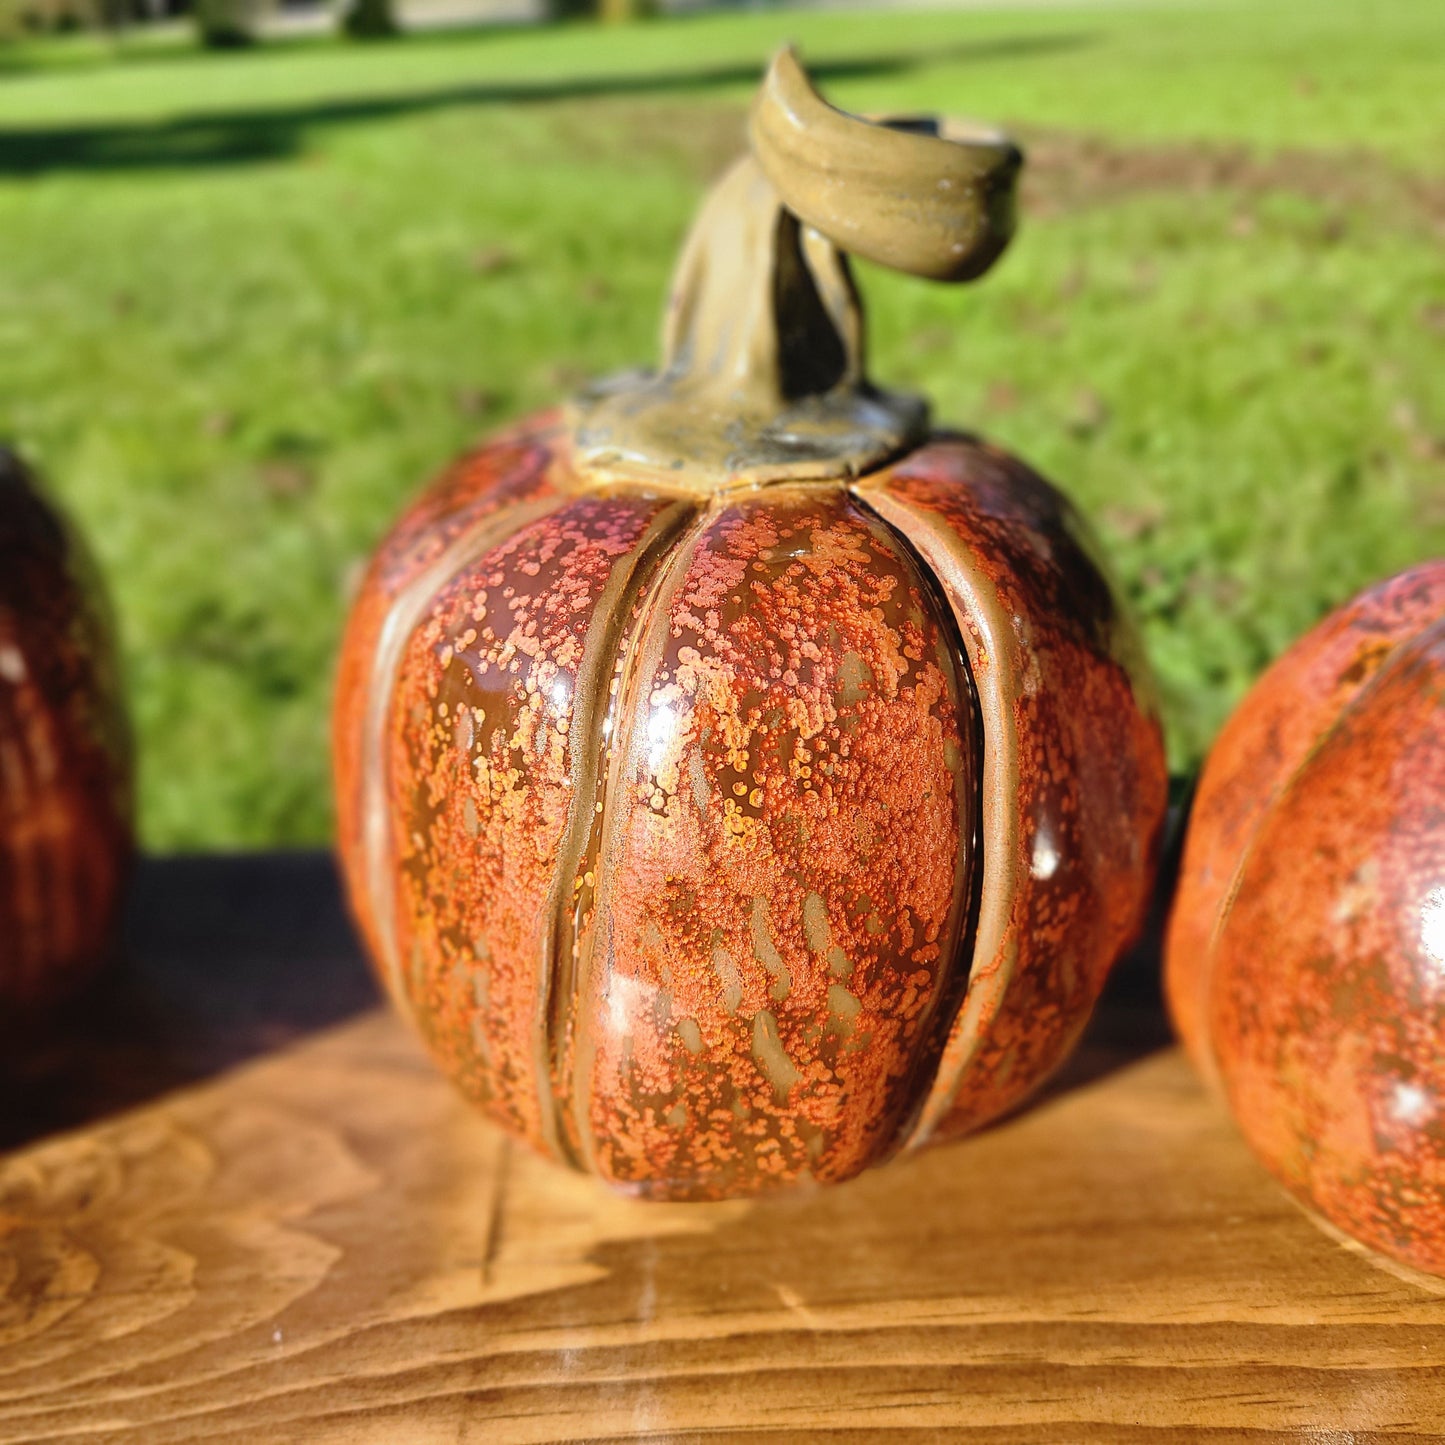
623, 603
998, 830
402, 619
643, 644
963, 918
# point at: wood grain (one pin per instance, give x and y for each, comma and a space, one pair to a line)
324, 1244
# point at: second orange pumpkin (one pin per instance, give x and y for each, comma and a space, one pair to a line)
1306, 951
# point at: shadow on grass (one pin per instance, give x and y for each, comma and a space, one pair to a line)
144, 46
271, 134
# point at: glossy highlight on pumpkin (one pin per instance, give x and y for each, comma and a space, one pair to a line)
1306, 952
716, 842
65, 839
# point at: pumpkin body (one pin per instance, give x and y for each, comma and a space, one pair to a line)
712, 842
1305, 959
65, 837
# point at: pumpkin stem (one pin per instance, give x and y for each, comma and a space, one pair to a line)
763, 373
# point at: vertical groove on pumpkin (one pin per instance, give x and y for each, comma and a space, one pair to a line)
961, 930
643, 645
607, 641
983, 632
402, 619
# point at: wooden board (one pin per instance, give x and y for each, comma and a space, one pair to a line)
294, 1232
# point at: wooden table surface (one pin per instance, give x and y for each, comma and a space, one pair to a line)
237, 1205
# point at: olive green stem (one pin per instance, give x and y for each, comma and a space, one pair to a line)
763, 373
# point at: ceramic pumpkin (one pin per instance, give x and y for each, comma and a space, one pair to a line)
65, 837
738, 781
1305, 958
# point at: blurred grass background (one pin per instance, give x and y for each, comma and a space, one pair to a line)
250, 301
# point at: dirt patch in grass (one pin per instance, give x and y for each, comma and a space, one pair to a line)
1071, 172
1068, 172
699, 139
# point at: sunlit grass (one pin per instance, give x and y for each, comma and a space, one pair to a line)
249, 303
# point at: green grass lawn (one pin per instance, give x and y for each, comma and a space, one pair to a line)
250, 302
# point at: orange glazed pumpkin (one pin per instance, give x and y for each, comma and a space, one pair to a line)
1305, 958
64, 762
738, 783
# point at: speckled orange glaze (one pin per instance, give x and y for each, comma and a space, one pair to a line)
1305, 959
715, 842
1075, 785
64, 759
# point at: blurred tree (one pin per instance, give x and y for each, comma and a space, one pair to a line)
370, 19
225, 24
25, 17
607, 10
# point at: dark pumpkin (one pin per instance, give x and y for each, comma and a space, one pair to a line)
65, 837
